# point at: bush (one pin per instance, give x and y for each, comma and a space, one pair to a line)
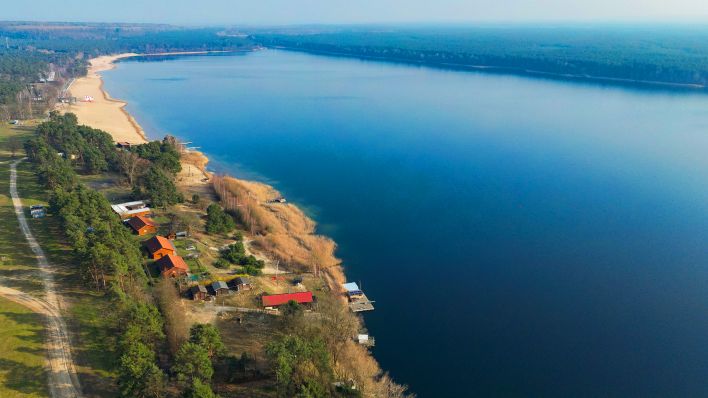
222, 264
218, 221
195, 198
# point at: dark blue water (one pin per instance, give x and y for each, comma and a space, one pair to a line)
520, 237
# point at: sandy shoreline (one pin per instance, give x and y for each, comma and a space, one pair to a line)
109, 114
103, 112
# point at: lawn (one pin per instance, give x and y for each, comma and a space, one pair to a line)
22, 363
22, 360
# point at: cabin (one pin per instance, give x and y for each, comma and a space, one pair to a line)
276, 300
241, 283
172, 266
198, 292
142, 225
131, 209
123, 145
159, 246
220, 288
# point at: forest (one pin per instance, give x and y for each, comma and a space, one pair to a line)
643, 54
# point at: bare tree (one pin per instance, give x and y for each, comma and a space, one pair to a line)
387, 388
338, 327
176, 325
132, 165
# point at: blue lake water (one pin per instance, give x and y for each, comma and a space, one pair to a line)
520, 237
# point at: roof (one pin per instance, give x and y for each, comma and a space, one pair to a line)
128, 208
198, 288
170, 261
242, 281
280, 299
351, 287
159, 242
219, 285
139, 222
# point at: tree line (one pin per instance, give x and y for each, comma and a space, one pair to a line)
109, 257
668, 55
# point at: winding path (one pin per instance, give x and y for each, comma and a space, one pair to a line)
63, 381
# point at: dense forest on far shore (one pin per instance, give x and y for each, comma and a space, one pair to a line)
650, 54
38, 59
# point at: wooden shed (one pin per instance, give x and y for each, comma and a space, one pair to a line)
198, 292
219, 288
241, 283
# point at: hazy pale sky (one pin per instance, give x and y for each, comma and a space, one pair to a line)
353, 11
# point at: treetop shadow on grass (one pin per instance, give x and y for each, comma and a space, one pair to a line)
22, 378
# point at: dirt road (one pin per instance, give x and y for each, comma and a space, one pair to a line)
63, 382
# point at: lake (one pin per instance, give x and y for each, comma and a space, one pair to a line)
521, 237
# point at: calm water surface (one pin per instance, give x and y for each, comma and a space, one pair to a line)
520, 237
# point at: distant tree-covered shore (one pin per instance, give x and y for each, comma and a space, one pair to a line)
675, 56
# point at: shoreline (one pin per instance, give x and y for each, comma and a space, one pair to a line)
105, 112
119, 118
282, 232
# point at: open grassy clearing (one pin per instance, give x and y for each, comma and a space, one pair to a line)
22, 361
85, 310
22, 355
88, 312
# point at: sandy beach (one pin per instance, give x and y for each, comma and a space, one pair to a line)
103, 112
109, 114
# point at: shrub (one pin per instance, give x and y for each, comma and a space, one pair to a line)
218, 221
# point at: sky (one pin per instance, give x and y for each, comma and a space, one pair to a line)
282, 12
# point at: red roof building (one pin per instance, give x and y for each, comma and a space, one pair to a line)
280, 299
159, 246
172, 266
142, 225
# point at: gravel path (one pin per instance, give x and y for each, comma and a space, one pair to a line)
63, 382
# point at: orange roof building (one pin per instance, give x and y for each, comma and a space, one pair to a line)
172, 266
142, 225
159, 246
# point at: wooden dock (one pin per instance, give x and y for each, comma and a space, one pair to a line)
361, 304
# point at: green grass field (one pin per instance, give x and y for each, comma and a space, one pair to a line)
89, 312
22, 362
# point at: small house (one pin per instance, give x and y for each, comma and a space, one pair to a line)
172, 266
242, 283
142, 225
198, 292
159, 246
276, 300
219, 288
